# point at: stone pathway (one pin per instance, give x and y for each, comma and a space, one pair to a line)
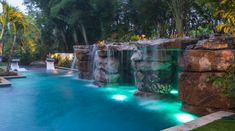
200, 121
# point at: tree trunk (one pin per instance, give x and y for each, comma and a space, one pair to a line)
178, 14
10, 54
2, 33
1, 41
84, 34
65, 41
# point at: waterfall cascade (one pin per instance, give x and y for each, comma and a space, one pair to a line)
74, 62
84, 61
93, 58
15, 65
151, 64
113, 65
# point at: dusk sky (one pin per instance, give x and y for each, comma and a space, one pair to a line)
17, 3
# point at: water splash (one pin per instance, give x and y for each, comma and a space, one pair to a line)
75, 60
15, 66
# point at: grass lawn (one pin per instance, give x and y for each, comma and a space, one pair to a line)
224, 124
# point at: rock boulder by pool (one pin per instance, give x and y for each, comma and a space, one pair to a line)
207, 58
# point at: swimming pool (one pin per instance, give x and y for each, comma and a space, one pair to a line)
58, 101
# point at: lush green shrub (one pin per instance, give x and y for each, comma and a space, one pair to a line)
64, 62
135, 38
226, 82
127, 37
26, 57
201, 32
165, 89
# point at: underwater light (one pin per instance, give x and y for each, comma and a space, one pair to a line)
174, 92
119, 97
184, 117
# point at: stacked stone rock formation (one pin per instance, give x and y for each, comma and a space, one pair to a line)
106, 66
84, 61
208, 57
155, 64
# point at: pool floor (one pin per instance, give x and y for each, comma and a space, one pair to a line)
58, 101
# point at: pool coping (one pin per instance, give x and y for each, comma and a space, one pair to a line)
65, 68
4, 82
200, 121
14, 77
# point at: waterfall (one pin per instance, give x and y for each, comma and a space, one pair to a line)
15, 66
93, 56
110, 54
74, 62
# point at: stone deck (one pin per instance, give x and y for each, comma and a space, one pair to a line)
200, 121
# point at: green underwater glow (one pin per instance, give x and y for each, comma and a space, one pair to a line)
184, 117
119, 97
171, 107
174, 92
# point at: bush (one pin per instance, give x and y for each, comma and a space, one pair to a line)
225, 83
64, 62
201, 32
135, 38
165, 89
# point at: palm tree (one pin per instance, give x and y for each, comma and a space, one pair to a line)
18, 26
3, 22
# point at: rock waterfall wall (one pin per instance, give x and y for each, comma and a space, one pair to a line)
106, 66
156, 64
208, 57
83, 54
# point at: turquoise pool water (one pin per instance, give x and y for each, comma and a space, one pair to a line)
58, 101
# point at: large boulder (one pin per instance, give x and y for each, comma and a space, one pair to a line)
101, 76
110, 65
83, 54
177, 43
213, 56
215, 43
84, 66
151, 66
208, 60
85, 75
200, 96
137, 56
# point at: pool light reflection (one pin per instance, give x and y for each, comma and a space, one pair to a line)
184, 117
174, 92
119, 97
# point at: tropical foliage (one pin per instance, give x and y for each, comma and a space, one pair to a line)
225, 83
65, 23
226, 10
16, 30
